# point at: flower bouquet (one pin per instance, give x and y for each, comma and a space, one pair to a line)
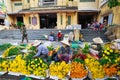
110, 61
3, 65
18, 65
78, 71
37, 67
13, 50
111, 70
95, 68
59, 69
110, 56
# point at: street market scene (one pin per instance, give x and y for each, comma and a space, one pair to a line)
59, 39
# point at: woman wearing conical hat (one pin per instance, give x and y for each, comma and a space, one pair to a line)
65, 52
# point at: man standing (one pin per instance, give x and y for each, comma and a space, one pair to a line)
24, 34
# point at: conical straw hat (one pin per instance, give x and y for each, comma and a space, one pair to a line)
97, 40
65, 42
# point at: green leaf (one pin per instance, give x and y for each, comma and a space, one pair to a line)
85, 50
5, 46
14, 51
103, 61
29, 56
50, 48
78, 60
113, 3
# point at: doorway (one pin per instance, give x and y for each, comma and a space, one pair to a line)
20, 19
48, 20
83, 20
1, 21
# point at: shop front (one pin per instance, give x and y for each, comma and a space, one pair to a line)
85, 18
48, 20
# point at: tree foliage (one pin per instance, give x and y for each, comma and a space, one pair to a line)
2, 7
113, 3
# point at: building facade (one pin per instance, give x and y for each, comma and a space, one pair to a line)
112, 16
38, 14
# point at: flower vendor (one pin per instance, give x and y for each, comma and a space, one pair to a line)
115, 44
97, 41
42, 49
65, 52
96, 47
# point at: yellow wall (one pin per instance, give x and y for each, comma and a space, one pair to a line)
59, 25
65, 19
61, 2
16, 8
11, 19
67, 3
116, 17
25, 4
105, 10
26, 20
75, 17
88, 5
33, 3
81, 5
30, 26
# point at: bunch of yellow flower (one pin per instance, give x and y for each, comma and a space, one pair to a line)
4, 65
5, 54
37, 67
18, 65
95, 68
13, 50
110, 55
59, 69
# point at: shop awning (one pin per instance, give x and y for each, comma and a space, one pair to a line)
14, 13
46, 11
94, 10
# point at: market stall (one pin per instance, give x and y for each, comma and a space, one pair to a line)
88, 62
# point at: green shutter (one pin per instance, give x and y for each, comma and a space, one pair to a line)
61, 18
87, 0
17, 4
28, 1
29, 20
69, 20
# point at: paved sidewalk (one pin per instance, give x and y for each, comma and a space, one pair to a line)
2, 41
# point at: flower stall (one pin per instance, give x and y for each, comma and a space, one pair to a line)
87, 63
